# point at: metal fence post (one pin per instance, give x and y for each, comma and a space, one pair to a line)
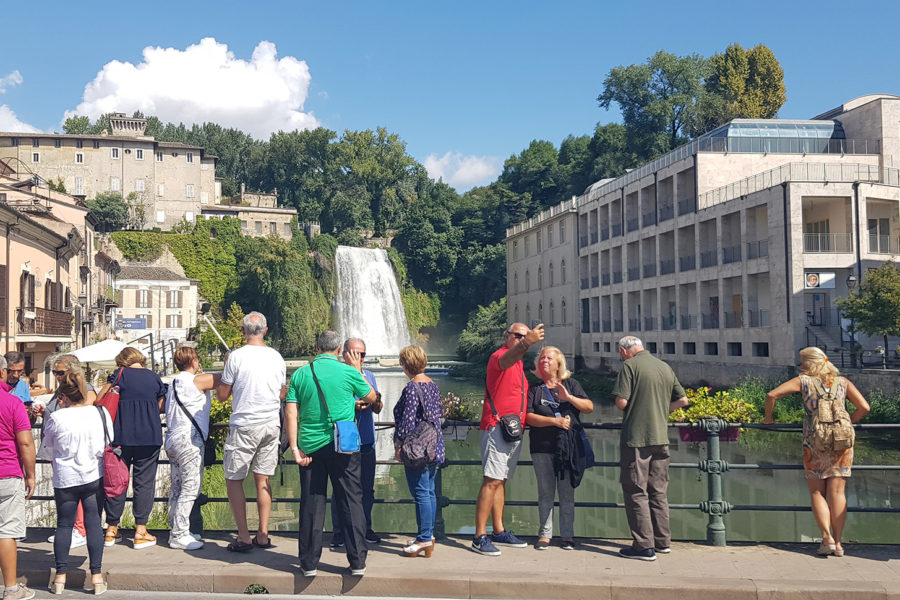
442, 501
714, 466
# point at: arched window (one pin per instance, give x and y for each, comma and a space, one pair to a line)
562, 232
552, 314
549, 236
563, 315
527, 281
540, 278
562, 272
528, 312
540, 312
551, 274
515, 283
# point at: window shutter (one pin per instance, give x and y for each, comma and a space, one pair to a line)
149, 321
179, 304
4, 297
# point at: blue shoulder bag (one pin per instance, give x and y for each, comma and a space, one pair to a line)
346, 434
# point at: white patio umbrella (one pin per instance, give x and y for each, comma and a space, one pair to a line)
101, 355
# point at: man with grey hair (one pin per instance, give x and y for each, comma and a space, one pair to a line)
16, 485
365, 422
15, 377
647, 390
320, 394
254, 376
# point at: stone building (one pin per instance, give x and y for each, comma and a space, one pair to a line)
155, 300
166, 181
731, 249
259, 213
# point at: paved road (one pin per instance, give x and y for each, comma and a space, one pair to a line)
594, 570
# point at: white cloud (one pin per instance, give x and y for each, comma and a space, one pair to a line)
463, 172
10, 122
13, 79
206, 82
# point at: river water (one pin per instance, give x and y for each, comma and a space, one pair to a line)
687, 486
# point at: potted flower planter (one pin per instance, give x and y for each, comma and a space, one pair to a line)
703, 404
455, 430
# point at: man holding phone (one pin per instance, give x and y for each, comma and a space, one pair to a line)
505, 391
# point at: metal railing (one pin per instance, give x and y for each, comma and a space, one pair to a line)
688, 321
634, 273
605, 278
632, 223
760, 318
648, 219
709, 258
616, 229
650, 270
731, 254
617, 276
734, 320
710, 430
649, 323
42, 321
666, 212
757, 249
667, 266
828, 243
687, 263
884, 244
634, 324
709, 320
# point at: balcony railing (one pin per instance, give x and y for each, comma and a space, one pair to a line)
617, 325
760, 318
616, 229
605, 278
734, 320
731, 254
585, 283
649, 323
666, 212
595, 280
688, 321
595, 326
42, 321
649, 219
828, 243
607, 325
709, 320
668, 323
594, 237
604, 233
650, 270
617, 276
709, 258
582, 241
687, 205
667, 266
634, 273
634, 324
883, 244
758, 249
687, 263
632, 223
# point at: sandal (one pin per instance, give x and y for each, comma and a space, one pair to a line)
143, 540
256, 543
239, 546
112, 536
826, 549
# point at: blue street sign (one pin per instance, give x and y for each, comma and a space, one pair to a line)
137, 323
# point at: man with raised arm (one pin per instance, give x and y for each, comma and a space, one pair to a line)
647, 390
255, 378
505, 388
320, 394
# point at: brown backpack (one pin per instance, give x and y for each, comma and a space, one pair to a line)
832, 430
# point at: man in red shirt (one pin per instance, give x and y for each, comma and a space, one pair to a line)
505, 389
16, 485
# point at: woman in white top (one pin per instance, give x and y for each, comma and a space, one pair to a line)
75, 439
185, 441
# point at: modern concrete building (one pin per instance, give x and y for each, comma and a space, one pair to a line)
169, 181
155, 300
730, 249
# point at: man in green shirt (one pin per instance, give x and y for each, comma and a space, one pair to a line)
647, 390
314, 449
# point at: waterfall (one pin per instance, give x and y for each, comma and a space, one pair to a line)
368, 302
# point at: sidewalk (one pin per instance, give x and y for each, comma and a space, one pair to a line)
593, 570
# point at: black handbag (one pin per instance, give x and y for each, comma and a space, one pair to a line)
209, 444
510, 425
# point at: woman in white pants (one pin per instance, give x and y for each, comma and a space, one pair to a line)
187, 421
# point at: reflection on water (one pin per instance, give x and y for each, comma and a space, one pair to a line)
687, 486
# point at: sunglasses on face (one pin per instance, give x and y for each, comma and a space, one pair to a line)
19, 371
58, 373
518, 336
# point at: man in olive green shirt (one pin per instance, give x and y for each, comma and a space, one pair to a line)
313, 449
647, 390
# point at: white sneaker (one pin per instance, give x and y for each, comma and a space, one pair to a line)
78, 540
185, 542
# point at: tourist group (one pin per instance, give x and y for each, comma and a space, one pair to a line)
100, 441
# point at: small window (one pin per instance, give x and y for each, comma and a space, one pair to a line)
79, 143
96, 144
734, 349
189, 190
760, 349
652, 347
160, 189
139, 185
273, 228
668, 347
189, 216
79, 158
57, 143
79, 186
190, 157
114, 153
287, 230
15, 142
258, 225
515, 250
114, 184
204, 197
689, 348
244, 225
607, 346
36, 142
562, 232
159, 156
160, 216
139, 154
36, 157
711, 348
596, 346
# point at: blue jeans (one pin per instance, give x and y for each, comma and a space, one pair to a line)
421, 486
367, 480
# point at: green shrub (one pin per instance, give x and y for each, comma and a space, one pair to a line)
724, 405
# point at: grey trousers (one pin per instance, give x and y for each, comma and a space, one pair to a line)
185, 452
549, 485
644, 477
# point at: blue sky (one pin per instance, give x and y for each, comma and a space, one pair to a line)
464, 84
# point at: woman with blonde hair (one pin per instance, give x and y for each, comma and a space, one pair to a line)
826, 470
554, 415
420, 401
138, 432
74, 439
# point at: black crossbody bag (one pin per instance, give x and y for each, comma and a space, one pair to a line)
510, 425
209, 444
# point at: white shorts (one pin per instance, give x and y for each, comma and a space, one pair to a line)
12, 508
498, 457
253, 447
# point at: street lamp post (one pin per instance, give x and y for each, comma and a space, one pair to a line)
851, 285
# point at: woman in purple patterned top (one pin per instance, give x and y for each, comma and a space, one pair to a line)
419, 401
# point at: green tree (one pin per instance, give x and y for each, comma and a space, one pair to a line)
742, 84
658, 100
110, 210
303, 166
609, 149
483, 333
875, 308
76, 125
536, 172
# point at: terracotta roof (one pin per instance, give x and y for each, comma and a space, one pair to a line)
149, 273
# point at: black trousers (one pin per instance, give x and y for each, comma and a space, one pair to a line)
142, 460
67, 499
344, 472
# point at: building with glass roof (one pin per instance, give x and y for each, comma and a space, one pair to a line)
727, 251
